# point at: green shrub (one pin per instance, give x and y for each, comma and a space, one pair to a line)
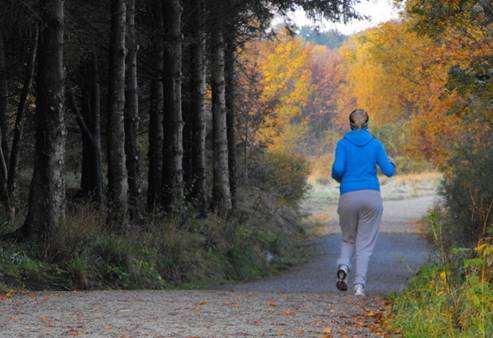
78, 268
82, 224
283, 174
19, 270
468, 187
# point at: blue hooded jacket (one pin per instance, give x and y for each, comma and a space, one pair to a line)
356, 159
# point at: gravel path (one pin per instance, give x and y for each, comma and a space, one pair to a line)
299, 303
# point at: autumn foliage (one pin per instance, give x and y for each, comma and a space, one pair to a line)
425, 80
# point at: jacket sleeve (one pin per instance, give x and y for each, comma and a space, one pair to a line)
386, 165
339, 163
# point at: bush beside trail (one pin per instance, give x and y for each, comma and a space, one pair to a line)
453, 298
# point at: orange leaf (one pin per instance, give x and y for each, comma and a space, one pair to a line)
327, 330
288, 313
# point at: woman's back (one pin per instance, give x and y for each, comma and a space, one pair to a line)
355, 166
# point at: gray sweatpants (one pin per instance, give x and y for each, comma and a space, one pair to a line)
360, 213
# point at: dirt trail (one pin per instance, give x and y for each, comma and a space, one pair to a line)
299, 303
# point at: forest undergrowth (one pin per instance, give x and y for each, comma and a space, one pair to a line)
262, 236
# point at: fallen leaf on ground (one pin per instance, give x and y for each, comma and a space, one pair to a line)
327, 330
299, 331
271, 302
73, 332
288, 313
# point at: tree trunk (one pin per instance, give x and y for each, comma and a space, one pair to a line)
87, 160
172, 188
3, 126
188, 21
89, 125
47, 193
221, 189
197, 107
132, 116
4, 94
95, 129
231, 110
91, 176
117, 171
156, 135
19, 118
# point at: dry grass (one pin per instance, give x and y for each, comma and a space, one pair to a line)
323, 195
414, 178
410, 185
324, 190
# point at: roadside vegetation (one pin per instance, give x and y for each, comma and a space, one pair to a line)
263, 236
453, 296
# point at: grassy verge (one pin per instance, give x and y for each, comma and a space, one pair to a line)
263, 237
452, 297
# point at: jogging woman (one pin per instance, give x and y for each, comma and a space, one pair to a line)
360, 205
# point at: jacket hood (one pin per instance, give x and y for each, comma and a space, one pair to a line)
359, 138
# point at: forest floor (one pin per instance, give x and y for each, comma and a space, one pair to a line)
301, 302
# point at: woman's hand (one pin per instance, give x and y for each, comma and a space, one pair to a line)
391, 160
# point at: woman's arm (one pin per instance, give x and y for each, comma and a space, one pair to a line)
339, 161
386, 165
